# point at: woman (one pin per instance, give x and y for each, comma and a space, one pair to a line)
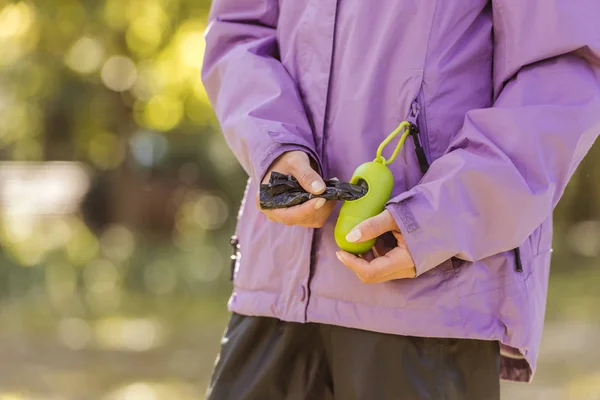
506, 97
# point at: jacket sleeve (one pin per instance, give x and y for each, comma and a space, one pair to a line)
255, 99
505, 171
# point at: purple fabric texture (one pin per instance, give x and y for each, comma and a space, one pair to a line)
509, 100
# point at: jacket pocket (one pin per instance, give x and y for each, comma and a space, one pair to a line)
540, 241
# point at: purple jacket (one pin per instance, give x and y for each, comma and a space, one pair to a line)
506, 94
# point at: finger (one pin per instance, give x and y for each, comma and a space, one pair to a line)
394, 265
318, 217
297, 215
307, 177
399, 237
366, 271
358, 265
372, 228
369, 255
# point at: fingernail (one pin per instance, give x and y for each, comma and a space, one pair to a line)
339, 256
320, 203
317, 186
354, 236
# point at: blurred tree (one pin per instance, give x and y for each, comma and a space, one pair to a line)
115, 85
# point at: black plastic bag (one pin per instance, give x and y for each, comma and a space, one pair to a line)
284, 191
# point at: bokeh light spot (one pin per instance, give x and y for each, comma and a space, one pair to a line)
101, 276
16, 19
192, 49
74, 333
143, 37
119, 73
104, 150
584, 238
148, 148
117, 243
134, 391
85, 56
163, 113
210, 211
129, 334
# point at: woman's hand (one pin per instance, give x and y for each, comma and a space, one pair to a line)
311, 214
395, 264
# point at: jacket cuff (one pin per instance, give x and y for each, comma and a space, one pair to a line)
427, 240
274, 152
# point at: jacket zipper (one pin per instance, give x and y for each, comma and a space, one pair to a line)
322, 155
415, 109
328, 94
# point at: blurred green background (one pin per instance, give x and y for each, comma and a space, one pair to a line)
118, 196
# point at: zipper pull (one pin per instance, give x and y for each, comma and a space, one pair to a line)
518, 260
415, 109
423, 163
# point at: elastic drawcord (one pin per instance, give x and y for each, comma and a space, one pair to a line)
403, 125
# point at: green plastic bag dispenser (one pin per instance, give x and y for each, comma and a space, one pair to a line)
380, 182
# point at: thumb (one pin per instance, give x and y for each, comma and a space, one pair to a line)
372, 228
308, 178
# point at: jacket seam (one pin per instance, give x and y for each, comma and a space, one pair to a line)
329, 88
344, 301
435, 8
505, 60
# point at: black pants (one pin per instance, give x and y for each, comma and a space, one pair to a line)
264, 359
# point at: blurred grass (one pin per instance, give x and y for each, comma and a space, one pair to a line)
164, 347
39, 359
